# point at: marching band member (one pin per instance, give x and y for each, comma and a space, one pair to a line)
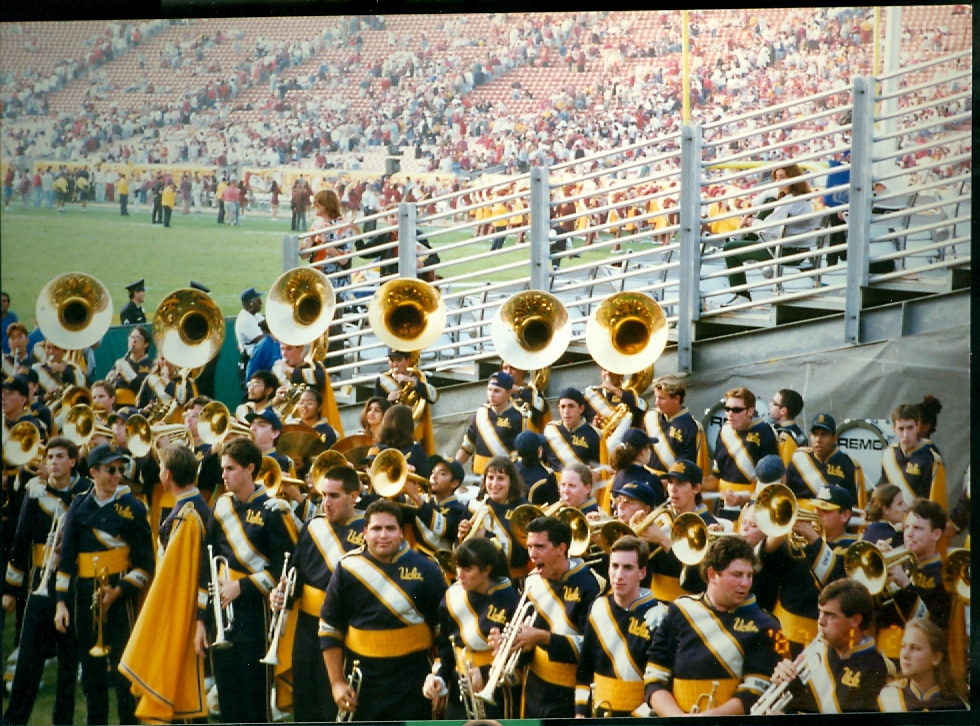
437, 517
494, 427
603, 399
381, 608
46, 500
371, 416
575, 489
35, 405
397, 432
259, 390
812, 467
266, 428
501, 492
54, 371
325, 539
209, 471
164, 385
923, 595
402, 379
293, 369
562, 591
106, 533
670, 578
633, 501
742, 441
676, 433
527, 399
928, 419
573, 439
541, 482
18, 357
307, 412
912, 464
713, 652
835, 505
481, 599
160, 659
247, 528
927, 679
129, 372
850, 672
132, 469
785, 406
616, 638
886, 515
103, 399
631, 461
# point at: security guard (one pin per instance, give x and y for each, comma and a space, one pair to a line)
562, 591
132, 313
106, 533
573, 439
821, 463
482, 598
714, 651
247, 528
128, 372
336, 530
45, 501
381, 608
850, 672
495, 425
912, 464
678, 434
617, 637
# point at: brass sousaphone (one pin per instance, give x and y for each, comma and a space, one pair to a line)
531, 330
74, 310
188, 328
407, 314
300, 306
626, 333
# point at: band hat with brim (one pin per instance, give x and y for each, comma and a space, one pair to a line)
199, 286
833, 497
455, 468
105, 454
123, 413
137, 286
19, 384
267, 415
685, 470
572, 394
638, 439
250, 294
770, 469
824, 421
501, 379
641, 491
392, 353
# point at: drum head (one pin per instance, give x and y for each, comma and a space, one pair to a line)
865, 442
714, 419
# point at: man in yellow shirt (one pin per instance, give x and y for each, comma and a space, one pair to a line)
167, 199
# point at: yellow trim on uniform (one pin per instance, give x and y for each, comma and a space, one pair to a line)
40, 552
481, 658
666, 588
890, 641
558, 674
389, 643
115, 560
311, 601
686, 692
621, 695
480, 463
796, 628
730, 486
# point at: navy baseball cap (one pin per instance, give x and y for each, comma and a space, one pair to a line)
123, 413
824, 421
833, 497
501, 379
455, 468
769, 469
268, 415
250, 294
105, 454
528, 442
638, 439
638, 490
572, 394
18, 383
685, 470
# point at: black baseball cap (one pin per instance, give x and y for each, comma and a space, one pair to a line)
824, 421
455, 468
105, 454
18, 383
685, 470
250, 294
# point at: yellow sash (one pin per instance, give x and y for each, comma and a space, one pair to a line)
559, 674
388, 643
115, 560
621, 695
311, 601
796, 628
736, 449
488, 433
895, 475
687, 693
613, 642
808, 471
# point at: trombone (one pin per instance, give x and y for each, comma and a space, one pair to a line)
776, 513
50, 545
277, 623
99, 584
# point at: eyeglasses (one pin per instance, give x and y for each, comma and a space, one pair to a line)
777, 404
734, 409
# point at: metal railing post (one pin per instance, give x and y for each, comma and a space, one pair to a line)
689, 281
540, 212
407, 255
290, 252
860, 195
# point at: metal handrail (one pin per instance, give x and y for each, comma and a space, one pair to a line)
905, 150
909, 130
924, 167
922, 86
927, 64
935, 102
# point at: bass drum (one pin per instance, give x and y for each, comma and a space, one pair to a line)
714, 419
865, 441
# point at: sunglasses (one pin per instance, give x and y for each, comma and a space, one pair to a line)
734, 409
113, 470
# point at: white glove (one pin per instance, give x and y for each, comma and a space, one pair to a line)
434, 687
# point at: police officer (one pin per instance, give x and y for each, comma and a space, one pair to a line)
107, 534
382, 608
132, 313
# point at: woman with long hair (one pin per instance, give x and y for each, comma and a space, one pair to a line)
482, 598
372, 414
886, 512
397, 431
927, 680
501, 492
787, 211
630, 459
307, 412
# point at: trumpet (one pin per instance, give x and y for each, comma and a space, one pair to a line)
776, 697
868, 565
478, 518
473, 706
277, 623
54, 534
602, 709
777, 512
604, 532
504, 665
690, 537
663, 516
99, 584
215, 425
708, 698
142, 437
389, 473
223, 617
354, 682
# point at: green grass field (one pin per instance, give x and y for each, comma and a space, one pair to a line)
38, 244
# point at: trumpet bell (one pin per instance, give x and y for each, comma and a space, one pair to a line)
300, 306
79, 426
407, 315
611, 531
689, 538
139, 436
353, 447
520, 518
22, 444
188, 328
581, 532
74, 310
531, 330
627, 332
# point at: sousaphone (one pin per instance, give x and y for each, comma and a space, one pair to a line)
188, 328
531, 330
627, 332
74, 310
300, 306
407, 314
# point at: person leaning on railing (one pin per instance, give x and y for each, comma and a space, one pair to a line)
792, 208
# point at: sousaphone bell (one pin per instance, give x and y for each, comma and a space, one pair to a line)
627, 332
407, 314
531, 330
74, 311
188, 328
300, 306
